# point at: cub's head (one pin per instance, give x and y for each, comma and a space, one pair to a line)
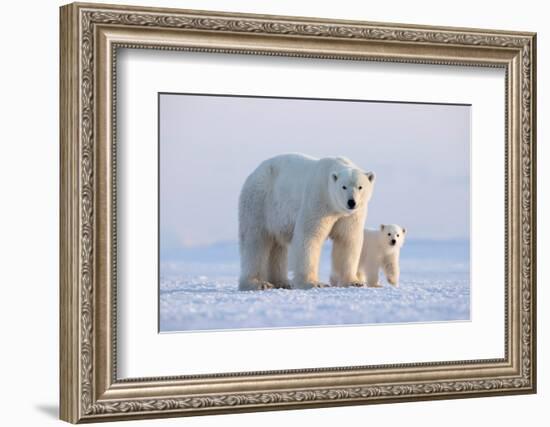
393, 235
350, 189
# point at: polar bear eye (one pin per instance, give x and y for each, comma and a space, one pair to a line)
344, 187
389, 234
397, 235
360, 188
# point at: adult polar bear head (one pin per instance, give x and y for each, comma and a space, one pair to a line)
350, 189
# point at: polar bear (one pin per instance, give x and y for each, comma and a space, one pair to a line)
290, 204
381, 249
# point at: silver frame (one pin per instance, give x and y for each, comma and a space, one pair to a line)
90, 37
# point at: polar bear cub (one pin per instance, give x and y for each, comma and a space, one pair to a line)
288, 207
381, 250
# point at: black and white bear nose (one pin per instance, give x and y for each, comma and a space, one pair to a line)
393, 242
351, 203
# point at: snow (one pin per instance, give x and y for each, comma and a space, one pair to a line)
198, 291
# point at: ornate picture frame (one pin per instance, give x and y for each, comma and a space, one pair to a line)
90, 37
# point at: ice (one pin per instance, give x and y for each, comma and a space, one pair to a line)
199, 292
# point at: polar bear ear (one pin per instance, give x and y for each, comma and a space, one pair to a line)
370, 176
382, 227
334, 177
404, 230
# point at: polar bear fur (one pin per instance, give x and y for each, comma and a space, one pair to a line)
290, 204
381, 250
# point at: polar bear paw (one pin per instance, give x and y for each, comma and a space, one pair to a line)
394, 281
281, 285
355, 284
309, 285
254, 285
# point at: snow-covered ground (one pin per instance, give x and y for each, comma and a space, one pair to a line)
198, 291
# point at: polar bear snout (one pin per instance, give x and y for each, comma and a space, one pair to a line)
393, 242
351, 204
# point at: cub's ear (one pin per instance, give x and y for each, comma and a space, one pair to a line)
370, 176
382, 227
404, 230
334, 177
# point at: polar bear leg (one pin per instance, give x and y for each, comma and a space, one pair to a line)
345, 262
372, 276
277, 270
347, 237
254, 253
335, 274
391, 270
372, 271
306, 270
361, 276
306, 253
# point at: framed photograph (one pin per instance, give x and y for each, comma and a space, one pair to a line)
266, 212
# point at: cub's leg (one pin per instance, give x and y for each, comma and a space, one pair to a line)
391, 270
373, 267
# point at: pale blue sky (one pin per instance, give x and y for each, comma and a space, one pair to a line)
208, 145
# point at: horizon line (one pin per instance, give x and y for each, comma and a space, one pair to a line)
236, 242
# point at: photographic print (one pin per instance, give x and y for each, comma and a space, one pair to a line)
298, 212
